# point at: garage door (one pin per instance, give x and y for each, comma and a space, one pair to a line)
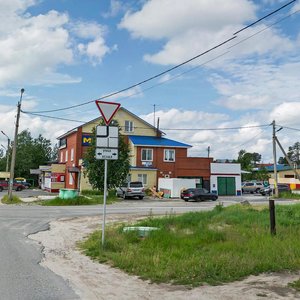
226, 186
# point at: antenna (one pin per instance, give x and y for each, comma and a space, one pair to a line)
154, 114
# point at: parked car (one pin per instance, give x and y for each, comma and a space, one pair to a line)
252, 187
197, 195
270, 189
16, 186
131, 189
25, 183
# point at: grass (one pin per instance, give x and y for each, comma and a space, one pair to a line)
295, 285
15, 200
288, 195
79, 200
213, 247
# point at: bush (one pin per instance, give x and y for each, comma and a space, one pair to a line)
15, 200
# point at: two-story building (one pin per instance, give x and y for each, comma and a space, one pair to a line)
152, 156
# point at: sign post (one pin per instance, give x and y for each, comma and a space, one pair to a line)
107, 143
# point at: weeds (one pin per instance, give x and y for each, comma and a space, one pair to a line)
222, 245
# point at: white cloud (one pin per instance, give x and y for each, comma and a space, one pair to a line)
200, 26
115, 8
296, 7
257, 86
223, 143
42, 43
287, 113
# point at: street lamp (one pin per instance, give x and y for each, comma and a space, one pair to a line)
7, 150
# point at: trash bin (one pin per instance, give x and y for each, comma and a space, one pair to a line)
67, 193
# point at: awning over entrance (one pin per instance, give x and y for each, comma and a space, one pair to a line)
73, 170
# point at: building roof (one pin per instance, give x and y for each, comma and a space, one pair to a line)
279, 168
153, 141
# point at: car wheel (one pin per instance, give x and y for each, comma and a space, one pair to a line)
18, 189
214, 198
242, 191
186, 200
257, 191
141, 197
1, 188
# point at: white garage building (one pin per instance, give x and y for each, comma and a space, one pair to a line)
225, 179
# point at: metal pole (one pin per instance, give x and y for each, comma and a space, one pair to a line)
272, 216
104, 201
14, 149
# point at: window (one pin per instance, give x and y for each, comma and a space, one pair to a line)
147, 155
72, 154
169, 155
70, 178
142, 178
61, 157
66, 155
129, 126
62, 143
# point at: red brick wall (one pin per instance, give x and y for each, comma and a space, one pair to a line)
183, 165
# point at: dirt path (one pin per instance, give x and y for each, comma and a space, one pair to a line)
93, 281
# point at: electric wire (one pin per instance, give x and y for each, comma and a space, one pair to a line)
290, 128
141, 82
166, 129
170, 69
266, 16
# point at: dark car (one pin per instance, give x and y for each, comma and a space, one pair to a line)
270, 189
26, 184
198, 195
16, 186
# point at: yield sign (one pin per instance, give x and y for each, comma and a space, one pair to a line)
107, 110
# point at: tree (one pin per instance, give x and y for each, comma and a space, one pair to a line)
31, 153
294, 153
248, 161
117, 169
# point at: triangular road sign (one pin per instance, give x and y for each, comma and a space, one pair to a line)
107, 110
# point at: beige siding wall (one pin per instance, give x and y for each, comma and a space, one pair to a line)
140, 128
151, 176
84, 182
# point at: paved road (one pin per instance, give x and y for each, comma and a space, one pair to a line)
22, 277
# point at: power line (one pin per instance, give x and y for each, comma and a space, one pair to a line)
162, 129
143, 81
214, 129
291, 128
170, 69
264, 17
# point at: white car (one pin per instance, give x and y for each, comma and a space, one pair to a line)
131, 189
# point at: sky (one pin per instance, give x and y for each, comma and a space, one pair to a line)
70, 52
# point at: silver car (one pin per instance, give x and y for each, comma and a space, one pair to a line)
131, 189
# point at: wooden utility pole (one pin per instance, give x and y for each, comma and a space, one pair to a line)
14, 149
272, 201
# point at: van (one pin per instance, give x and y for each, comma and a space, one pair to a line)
131, 189
252, 187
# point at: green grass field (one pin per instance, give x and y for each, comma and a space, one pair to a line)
213, 247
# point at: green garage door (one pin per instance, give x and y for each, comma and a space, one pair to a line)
226, 186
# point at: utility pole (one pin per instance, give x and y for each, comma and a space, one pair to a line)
272, 201
275, 160
14, 149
